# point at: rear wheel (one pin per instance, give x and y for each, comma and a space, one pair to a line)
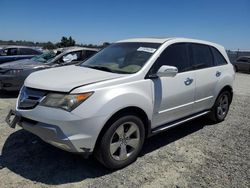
121, 143
220, 109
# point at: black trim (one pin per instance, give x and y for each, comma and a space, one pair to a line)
176, 121
190, 54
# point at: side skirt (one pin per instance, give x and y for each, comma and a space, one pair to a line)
178, 122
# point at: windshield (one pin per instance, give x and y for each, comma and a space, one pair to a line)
43, 58
124, 58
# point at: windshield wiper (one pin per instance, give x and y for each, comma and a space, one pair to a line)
100, 68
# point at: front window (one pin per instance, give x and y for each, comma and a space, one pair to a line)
43, 58
126, 58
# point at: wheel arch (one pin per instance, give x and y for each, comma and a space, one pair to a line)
131, 110
229, 89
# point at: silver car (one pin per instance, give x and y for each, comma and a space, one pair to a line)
13, 74
129, 91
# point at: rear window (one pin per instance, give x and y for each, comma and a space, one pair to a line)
202, 56
218, 58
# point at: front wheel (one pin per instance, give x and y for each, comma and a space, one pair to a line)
121, 143
236, 68
220, 109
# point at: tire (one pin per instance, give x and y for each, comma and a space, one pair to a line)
122, 142
236, 68
221, 107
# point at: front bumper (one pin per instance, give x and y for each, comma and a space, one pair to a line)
11, 82
49, 133
62, 129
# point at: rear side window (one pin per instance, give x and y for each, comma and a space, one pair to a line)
88, 53
218, 58
244, 59
27, 51
202, 56
12, 51
71, 57
174, 55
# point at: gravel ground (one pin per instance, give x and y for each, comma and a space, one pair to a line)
195, 154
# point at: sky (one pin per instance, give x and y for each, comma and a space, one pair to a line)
226, 22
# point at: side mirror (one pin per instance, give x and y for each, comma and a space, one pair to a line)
167, 71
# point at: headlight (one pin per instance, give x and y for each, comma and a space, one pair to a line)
14, 71
65, 101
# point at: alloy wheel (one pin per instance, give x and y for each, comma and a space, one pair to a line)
223, 106
125, 141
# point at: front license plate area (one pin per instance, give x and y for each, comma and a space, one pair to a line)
12, 119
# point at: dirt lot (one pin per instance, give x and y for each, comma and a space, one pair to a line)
196, 154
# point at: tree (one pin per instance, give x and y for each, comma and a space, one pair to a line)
66, 42
72, 42
49, 45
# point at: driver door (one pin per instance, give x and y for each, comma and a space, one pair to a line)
173, 96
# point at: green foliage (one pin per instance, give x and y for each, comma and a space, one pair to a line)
49, 45
65, 42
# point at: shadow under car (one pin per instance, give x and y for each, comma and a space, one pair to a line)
25, 154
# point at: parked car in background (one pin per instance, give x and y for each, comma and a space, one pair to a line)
130, 90
242, 64
12, 53
13, 74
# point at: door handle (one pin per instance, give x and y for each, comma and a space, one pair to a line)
218, 73
188, 81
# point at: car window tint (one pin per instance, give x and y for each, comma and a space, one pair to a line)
3, 52
35, 52
202, 56
174, 55
242, 59
88, 53
218, 58
27, 51
12, 51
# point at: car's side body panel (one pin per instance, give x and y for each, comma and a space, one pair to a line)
173, 99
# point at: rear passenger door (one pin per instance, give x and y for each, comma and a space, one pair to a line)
207, 75
173, 96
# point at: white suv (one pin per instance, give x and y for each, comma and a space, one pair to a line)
125, 93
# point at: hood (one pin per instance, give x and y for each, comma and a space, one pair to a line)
22, 64
64, 79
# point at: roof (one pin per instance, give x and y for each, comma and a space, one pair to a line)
163, 40
16, 46
75, 48
150, 40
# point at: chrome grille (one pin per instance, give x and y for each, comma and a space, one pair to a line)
29, 98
